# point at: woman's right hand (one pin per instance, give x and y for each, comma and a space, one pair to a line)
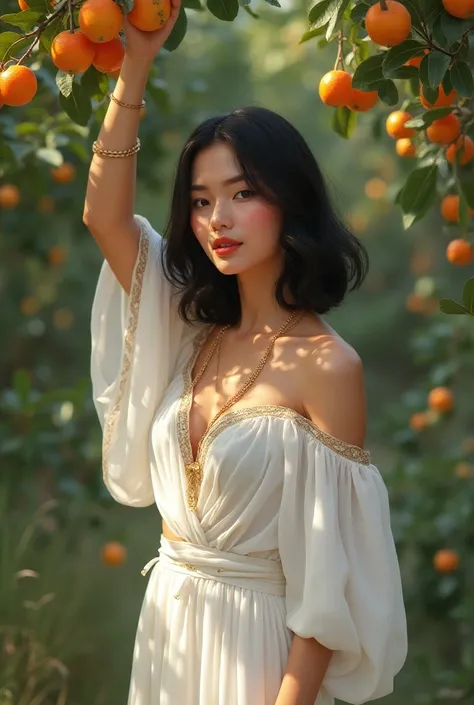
146, 45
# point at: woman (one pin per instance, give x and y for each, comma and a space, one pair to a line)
228, 401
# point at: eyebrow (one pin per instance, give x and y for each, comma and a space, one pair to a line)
227, 182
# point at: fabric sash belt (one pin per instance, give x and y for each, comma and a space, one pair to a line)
198, 561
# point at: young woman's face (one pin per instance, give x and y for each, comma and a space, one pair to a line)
224, 206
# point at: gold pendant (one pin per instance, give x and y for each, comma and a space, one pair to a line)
194, 478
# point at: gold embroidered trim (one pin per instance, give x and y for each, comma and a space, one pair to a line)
192, 469
347, 450
129, 343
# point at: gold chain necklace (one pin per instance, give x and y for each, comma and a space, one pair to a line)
193, 470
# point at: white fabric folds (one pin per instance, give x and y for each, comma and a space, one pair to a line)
291, 534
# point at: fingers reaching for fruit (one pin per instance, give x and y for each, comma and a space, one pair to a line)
148, 26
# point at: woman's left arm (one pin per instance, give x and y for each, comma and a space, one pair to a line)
307, 664
335, 402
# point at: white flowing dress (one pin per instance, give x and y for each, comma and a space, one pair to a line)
287, 532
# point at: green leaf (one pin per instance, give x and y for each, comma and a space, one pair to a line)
461, 79
452, 307
226, 10
273, 3
398, 55
430, 92
192, 5
452, 27
310, 34
48, 34
344, 121
40, 5
7, 39
466, 182
435, 114
419, 192
320, 14
50, 156
178, 32
339, 7
368, 73
468, 296
25, 20
95, 83
77, 105
387, 90
64, 82
431, 9
358, 12
437, 66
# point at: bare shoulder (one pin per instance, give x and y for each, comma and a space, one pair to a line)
331, 382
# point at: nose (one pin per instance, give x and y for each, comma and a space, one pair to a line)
220, 218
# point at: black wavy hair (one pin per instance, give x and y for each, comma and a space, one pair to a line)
322, 258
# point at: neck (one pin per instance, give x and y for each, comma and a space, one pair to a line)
261, 314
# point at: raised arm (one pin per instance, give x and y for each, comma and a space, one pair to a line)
110, 195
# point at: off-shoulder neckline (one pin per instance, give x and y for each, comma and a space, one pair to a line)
233, 416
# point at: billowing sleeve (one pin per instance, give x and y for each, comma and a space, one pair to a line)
340, 564
135, 341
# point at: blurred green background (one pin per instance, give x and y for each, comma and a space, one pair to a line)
68, 617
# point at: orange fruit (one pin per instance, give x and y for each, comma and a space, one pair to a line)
463, 9
441, 399
444, 130
388, 27
361, 101
46, 204
405, 147
149, 15
100, 20
464, 145
57, 255
9, 196
460, 252
108, 56
18, 85
63, 174
29, 305
414, 303
114, 553
463, 470
446, 560
416, 60
418, 421
450, 208
395, 125
72, 52
442, 101
143, 112
335, 88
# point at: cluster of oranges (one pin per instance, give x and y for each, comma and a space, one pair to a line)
388, 23
95, 43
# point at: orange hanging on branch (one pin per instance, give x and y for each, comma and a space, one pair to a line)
100, 20
72, 52
388, 23
18, 85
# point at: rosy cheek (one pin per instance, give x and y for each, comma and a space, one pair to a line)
263, 217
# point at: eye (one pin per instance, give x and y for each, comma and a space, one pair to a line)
197, 202
249, 193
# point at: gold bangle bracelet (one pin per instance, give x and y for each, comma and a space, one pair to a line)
115, 153
126, 105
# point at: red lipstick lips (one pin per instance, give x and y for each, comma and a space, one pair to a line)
223, 242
